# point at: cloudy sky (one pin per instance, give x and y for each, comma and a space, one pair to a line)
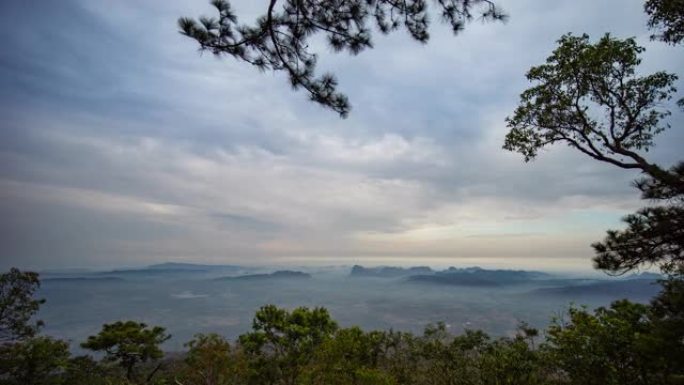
121, 145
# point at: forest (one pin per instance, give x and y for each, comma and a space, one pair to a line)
624, 343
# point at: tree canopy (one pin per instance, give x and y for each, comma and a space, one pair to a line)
587, 345
625, 343
667, 18
654, 235
35, 361
211, 360
588, 96
17, 305
280, 39
282, 342
128, 343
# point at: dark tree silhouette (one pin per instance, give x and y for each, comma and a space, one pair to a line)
129, 344
279, 41
34, 361
17, 305
589, 97
282, 342
654, 234
667, 18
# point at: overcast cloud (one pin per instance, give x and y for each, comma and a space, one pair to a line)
122, 145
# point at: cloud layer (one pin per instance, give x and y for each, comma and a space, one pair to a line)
121, 145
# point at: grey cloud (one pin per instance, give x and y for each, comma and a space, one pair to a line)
123, 144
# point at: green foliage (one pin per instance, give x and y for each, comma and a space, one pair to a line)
475, 358
350, 357
211, 361
666, 17
654, 234
588, 96
451, 359
626, 343
129, 344
34, 361
282, 343
667, 317
616, 345
17, 305
280, 39
399, 355
513, 361
84, 370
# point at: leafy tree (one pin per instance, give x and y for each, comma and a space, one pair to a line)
667, 17
667, 317
84, 370
129, 343
34, 361
589, 97
282, 343
280, 39
212, 361
654, 235
451, 360
513, 361
475, 358
616, 345
399, 356
350, 357
17, 305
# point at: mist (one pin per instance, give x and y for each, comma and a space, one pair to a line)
191, 299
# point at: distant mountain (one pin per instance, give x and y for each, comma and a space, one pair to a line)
280, 274
173, 269
149, 272
475, 276
177, 266
624, 288
82, 279
645, 275
388, 271
191, 266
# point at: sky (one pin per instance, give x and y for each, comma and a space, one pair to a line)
122, 145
